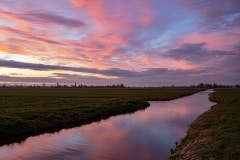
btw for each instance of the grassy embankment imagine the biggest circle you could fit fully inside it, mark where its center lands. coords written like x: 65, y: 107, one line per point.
x: 216, y: 133
x: 25, y: 112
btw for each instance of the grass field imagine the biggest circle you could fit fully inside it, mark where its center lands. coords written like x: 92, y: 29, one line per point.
x: 216, y: 133
x: 25, y: 112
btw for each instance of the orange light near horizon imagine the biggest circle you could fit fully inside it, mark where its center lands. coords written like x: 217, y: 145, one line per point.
x: 17, y: 72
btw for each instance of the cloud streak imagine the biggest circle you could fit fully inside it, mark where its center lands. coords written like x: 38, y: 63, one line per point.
x: 39, y: 16
x: 108, y: 72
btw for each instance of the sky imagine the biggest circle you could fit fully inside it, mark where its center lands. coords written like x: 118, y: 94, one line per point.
x: 134, y: 42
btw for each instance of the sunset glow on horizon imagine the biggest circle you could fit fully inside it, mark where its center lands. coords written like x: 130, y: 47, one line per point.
x: 134, y: 42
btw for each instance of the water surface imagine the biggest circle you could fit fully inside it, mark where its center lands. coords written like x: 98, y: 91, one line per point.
x: 147, y: 134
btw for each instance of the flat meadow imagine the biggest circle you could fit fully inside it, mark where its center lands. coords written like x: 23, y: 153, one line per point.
x: 31, y: 111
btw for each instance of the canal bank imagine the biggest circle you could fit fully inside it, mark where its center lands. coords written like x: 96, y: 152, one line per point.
x: 216, y: 133
x: 145, y: 134
x: 27, y: 112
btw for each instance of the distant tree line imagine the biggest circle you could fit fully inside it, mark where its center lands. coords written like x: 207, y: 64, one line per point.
x: 58, y: 85
x: 206, y: 85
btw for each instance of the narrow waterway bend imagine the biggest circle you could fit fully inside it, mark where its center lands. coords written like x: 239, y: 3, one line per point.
x: 145, y: 134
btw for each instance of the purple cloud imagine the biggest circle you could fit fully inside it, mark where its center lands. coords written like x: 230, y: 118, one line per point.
x: 46, y: 17
x: 108, y: 72
x: 197, y: 53
x: 216, y: 15
x: 40, y: 17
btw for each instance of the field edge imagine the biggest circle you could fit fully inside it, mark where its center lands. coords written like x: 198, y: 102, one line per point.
x: 215, y: 133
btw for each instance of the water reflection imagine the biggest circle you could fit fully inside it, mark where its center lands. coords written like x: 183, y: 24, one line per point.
x: 143, y: 135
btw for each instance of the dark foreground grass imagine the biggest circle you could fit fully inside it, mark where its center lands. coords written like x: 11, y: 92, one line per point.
x: 216, y: 133
x: 25, y: 112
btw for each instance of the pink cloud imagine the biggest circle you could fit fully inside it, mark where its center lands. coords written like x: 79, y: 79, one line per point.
x: 113, y: 23
x: 214, y: 41
x: 116, y: 14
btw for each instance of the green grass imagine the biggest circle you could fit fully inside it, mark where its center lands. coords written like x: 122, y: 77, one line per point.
x: 25, y: 112
x: 216, y: 133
